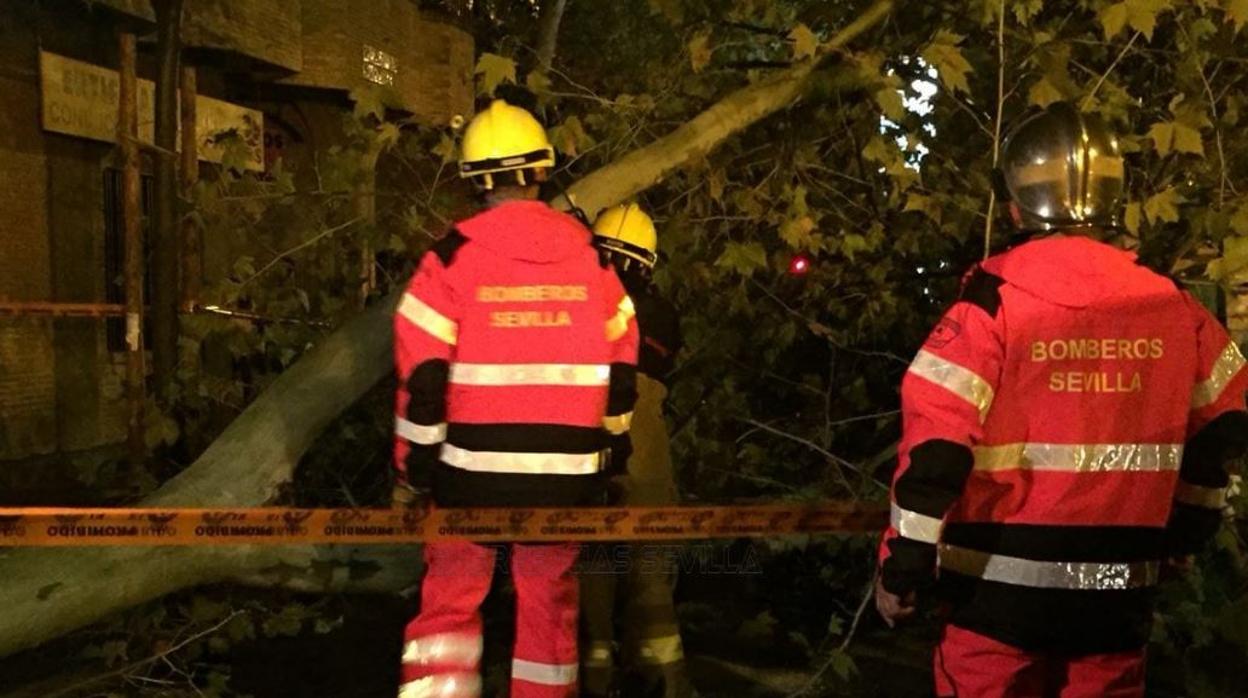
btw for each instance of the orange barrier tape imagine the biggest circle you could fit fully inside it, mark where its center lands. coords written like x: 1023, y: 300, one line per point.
x: 55, y: 527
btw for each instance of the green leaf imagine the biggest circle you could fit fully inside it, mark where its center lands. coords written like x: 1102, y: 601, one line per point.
x: 368, y: 101
x: 1113, y: 19
x: 538, y: 83
x: 944, y: 55
x: 493, y: 70
x: 1131, y: 217
x: 1233, y: 262
x: 891, y: 103
x: 1162, y: 134
x: 1236, y: 12
x: 1043, y: 93
x: 926, y: 205
x: 1239, y: 221
x: 570, y: 137
x: 805, y: 43
x: 743, y: 258
x: 842, y: 664
x: 1188, y: 140
x: 1142, y: 15
x: 1024, y: 10
x: 700, y: 51
x: 1163, y: 206
x: 796, y: 232
x: 446, y: 149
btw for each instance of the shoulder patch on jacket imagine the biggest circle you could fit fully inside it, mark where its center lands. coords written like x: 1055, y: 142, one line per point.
x: 446, y: 248
x: 984, y: 290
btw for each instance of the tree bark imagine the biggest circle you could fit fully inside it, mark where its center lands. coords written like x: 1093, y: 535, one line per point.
x: 191, y: 264
x: 552, y: 16
x: 50, y: 592
x: 165, y: 231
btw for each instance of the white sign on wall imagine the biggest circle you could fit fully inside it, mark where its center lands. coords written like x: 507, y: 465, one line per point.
x: 81, y: 99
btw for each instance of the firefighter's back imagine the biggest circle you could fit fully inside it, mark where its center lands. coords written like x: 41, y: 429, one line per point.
x: 1057, y: 538
x: 529, y: 382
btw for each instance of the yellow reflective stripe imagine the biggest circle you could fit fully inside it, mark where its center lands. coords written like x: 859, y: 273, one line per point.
x: 958, y: 380
x: 423, y: 434
x: 443, y: 686
x: 1080, y: 458
x: 617, y: 424
x: 617, y: 326
x: 1197, y: 496
x: 916, y: 526
x: 599, y: 655
x: 1101, y: 576
x: 524, y: 463
x: 426, y: 318
x: 1230, y: 362
x: 445, y: 648
x: 530, y: 374
x: 545, y: 674
x: 660, y: 650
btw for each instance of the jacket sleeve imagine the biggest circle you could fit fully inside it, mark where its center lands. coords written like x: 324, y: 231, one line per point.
x: 426, y: 330
x: 624, y: 338
x: 1217, y: 434
x: 945, y: 397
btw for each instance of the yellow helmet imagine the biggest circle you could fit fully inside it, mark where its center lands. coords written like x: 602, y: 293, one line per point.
x: 627, y: 230
x: 504, y: 138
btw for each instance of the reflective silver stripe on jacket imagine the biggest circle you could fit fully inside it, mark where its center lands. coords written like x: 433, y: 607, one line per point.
x: 523, y: 463
x: 1048, y: 575
x: 1197, y: 496
x: 446, y: 648
x: 916, y: 526
x: 958, y: 380
x: 426, y: 318
x: 423, y: 434
x: 530, y: 374
x: 617, y: 424
x: 1080, y: 458
x: 545, y: 674
x: 1230, y: 362
x: 443, y: 686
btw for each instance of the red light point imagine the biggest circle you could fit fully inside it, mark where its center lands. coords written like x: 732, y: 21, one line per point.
x: 799, y: 265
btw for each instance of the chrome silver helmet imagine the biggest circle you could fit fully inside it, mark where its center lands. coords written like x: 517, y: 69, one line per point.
x: 1064, y: 170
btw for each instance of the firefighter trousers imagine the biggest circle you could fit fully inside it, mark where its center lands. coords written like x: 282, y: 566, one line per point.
x: 442, y: 651
x: 970, y: 665
x: 638, y: 599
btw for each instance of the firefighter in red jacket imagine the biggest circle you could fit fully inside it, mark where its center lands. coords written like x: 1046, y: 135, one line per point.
x: 516, y: 351
x: 1066, y: 428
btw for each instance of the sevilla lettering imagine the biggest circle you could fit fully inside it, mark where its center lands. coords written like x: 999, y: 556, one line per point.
x: 1096, y: 382
x: 513, y: 319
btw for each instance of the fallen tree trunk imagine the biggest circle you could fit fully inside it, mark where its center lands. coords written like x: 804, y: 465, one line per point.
x: 46, y: 593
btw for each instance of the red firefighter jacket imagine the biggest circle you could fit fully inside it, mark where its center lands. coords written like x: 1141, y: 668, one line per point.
x: 516, y: 351
x: 1065, y: 428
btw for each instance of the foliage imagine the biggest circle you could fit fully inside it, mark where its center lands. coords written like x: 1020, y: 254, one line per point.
x: 788, y: 385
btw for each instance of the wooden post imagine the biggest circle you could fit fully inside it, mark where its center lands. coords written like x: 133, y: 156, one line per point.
x: 192, y: 264
x: 128, y: 142
x: 366, y: 212
x: 164, y: 228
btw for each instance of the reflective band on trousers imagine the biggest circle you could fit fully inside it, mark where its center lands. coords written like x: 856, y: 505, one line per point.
x: 960, y: 381
x: 661, y: 650
x: 428, y: 319
x: 530, y: 374
x: 1080, y: 458
x: 443, y: 686
x: 1086, y: 576
x: 423, y: 434
x: 599, y: 655
x: 1230, y: 362
x: 915, y: 526
x: 523, y: 463
x: 1197, y: 496
x: 447, y: 648
x: 617, y: 424
x: 617, y: 326
x: 545, y: 674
